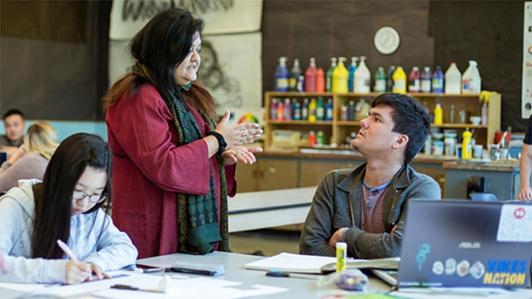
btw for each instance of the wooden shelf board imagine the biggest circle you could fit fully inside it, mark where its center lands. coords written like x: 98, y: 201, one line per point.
x: 299, y: 122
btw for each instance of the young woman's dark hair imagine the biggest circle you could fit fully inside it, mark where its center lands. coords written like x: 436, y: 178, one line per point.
x: 160, y: 47
x: 410, y: 118
x: 53, y: 197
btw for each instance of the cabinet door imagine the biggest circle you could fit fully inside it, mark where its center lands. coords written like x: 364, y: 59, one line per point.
x: 313, y: 171
x: 277, y: 174
x: 247, y: 177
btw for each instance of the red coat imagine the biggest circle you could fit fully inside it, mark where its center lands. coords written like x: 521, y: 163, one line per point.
x: 149, y: 170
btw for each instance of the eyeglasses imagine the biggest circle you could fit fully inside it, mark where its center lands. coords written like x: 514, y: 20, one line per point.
x: 94, y: 198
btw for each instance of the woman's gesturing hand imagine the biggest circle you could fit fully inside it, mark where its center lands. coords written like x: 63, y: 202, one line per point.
x: 241, y: 154
x: 235, y: 135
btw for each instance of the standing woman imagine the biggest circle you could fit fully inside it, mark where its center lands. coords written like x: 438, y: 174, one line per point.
x: 173, y: 166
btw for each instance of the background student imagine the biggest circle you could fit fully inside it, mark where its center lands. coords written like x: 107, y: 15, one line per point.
x: 66, y: 207
x: 30, y: 160
x: 14, y: 131
x: 173, y: 164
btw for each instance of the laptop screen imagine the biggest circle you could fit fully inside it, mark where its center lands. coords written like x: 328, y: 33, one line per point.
x: 466, y: 243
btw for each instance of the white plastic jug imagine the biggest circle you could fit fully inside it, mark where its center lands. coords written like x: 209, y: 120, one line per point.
x: 471, y: 79
x: 362, y: 77
x: 453, y: 80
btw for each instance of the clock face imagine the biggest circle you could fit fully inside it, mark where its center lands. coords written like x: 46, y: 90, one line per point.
x: 386, y: 40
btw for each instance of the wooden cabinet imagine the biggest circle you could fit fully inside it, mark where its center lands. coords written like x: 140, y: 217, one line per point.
x: 267, y: 174
x: 335, y: 131
x: 313, y: 170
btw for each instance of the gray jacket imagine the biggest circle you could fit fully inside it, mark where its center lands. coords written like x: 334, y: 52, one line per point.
x: 337, y: 203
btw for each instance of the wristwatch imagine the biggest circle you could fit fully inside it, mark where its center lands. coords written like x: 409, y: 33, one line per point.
x: 221, y: 141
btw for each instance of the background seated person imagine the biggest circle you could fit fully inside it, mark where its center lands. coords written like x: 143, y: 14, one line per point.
x: 30, y: 160
x: 14, y: 131
x: 366, y: 207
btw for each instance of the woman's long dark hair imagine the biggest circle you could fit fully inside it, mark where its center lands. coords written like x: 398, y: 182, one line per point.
x: 161, y: 45
x: 53, y: 197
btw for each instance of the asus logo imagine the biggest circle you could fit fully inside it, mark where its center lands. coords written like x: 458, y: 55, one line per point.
x: 469, y: 245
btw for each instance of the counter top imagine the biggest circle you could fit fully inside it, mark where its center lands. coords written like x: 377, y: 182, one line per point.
x: 341, y: 154
x: 500, y: 165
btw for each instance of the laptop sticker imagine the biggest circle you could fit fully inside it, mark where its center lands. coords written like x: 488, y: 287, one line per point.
x: 515, y: 223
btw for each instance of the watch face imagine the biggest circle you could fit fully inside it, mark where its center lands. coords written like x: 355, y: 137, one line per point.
x: 386, y: 40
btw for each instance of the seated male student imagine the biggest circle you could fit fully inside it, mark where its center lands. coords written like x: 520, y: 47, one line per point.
x: 14, y: 131
x: 366, y: 207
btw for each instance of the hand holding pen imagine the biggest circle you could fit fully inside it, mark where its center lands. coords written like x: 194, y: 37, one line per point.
x: 76, y: 271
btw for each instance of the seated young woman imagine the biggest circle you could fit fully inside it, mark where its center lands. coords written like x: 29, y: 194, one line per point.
x: 29, y: 161
x: 66, y: 206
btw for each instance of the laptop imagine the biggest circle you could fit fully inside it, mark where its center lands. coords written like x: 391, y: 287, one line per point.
x: 461, y: 243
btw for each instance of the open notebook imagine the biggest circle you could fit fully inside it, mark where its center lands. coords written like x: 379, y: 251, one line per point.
x: 298, y: 263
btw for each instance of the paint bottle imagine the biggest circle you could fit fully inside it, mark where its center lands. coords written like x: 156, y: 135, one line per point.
x: 437, y: 80
x: 426, y: 80
x: 340, y: 77
x: 466, y: 145
x: 320, y: 109
x: 310, y: 76
x: 414, y: 82
x: 389, y: 81
x: 311, y: 138
x: 380, y: 80
x: 329, y: 110
x: 312, y: 110
x: 320, y: 80
x: 281, y: 75
x: 438, y: 114
x: 295, y: 72
x: 329, y: 75
x: 471, y: 79
x: 287, y: 109
x: 351, y: 77
x: 399, y: 80
x: 304, y: 109
x: 453, y: 80
x: 362, y: 77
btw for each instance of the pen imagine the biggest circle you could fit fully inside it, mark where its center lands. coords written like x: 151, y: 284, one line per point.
x: 132, y: 288
x: 288, y: 275
x: 66, y: 250
x: 192, y: 271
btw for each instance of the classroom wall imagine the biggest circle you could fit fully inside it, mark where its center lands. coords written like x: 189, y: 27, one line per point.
x: 432, y: 33
x: 53, y: 54
x: 67, y: 128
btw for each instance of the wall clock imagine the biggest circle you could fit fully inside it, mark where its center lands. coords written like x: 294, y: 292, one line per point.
x: 386, y: 40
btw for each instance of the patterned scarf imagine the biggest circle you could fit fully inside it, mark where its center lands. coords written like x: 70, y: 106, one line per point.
x: 197, y: 215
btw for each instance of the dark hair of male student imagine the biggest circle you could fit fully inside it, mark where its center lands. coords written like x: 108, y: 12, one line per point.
x: 161, y: 46
x: 10, y: 112
x: 53, y: 197
x: 410, y: 118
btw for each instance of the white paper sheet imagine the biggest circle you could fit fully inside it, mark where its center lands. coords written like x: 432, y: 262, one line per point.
x: 289, y: 262
x: 192, y: 287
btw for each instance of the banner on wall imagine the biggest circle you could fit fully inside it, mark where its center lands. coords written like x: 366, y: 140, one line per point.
x: 526, y: 98
x: 234, y: 83
x: 220, y: 16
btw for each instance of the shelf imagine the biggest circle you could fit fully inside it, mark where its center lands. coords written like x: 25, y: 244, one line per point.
x: 299, y: 122
x: 458, y: 126
x: 348, y: 123
x: 371, y: 94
